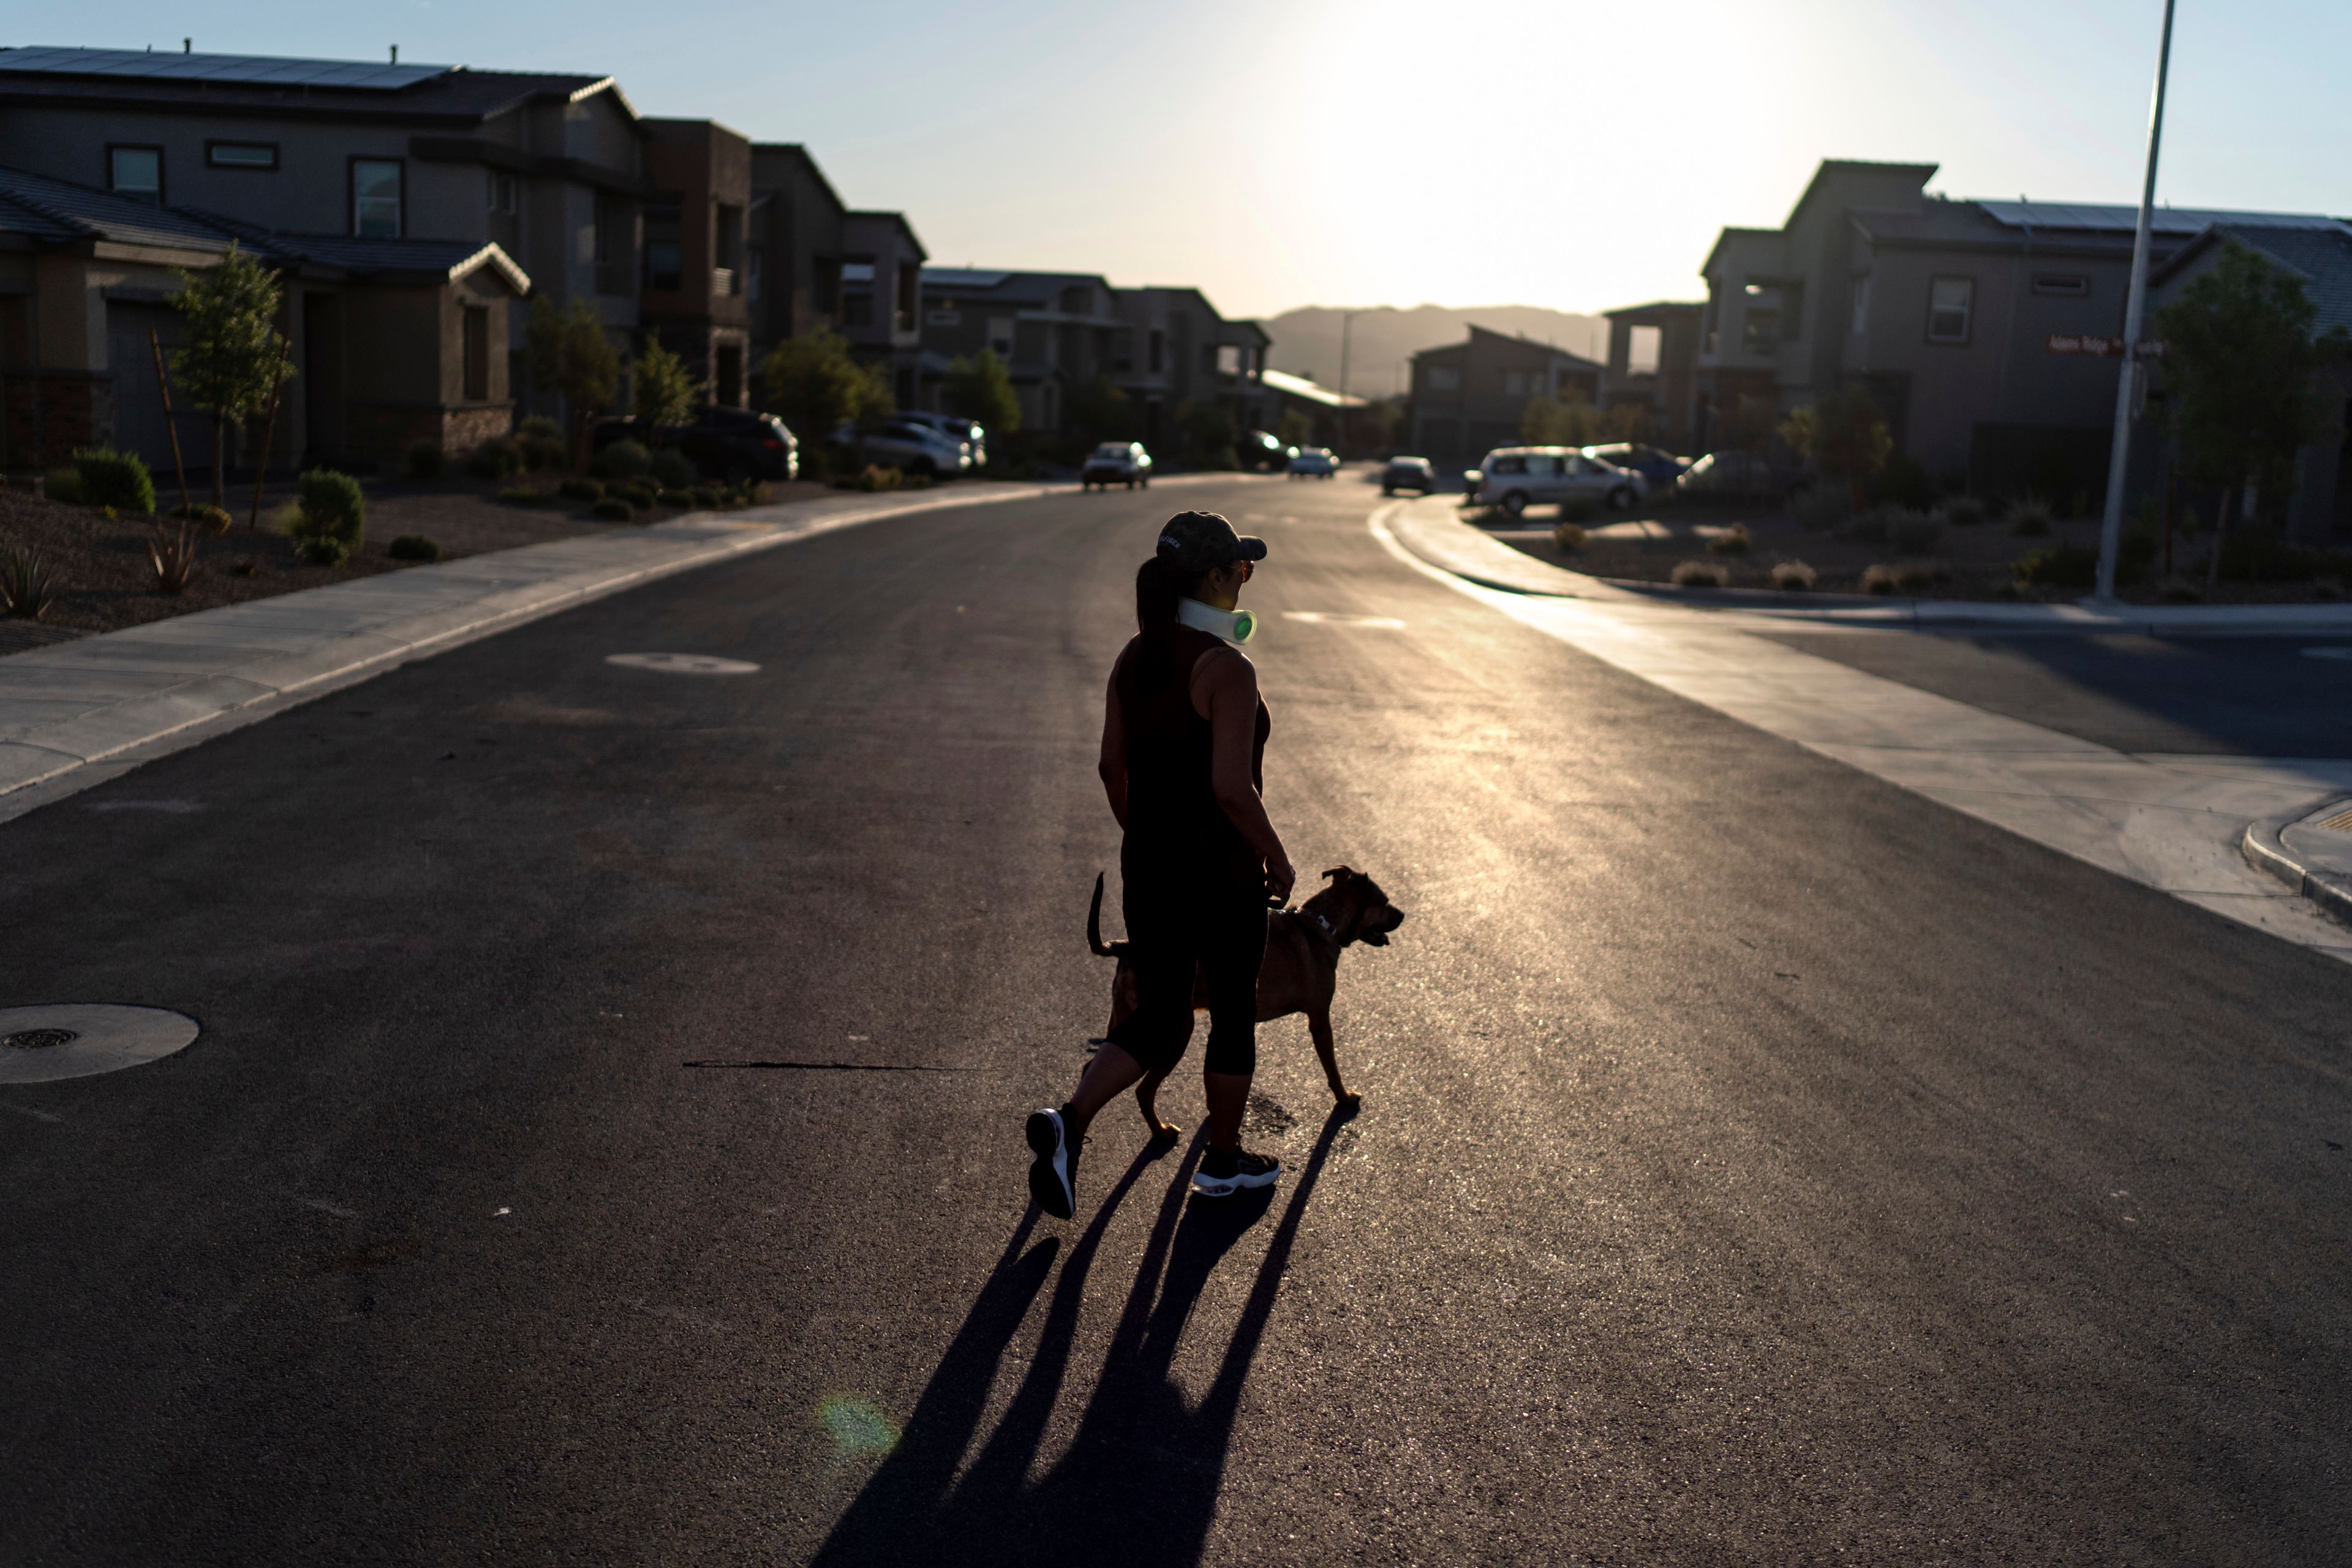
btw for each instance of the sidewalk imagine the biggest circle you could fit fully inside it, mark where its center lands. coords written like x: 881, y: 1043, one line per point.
x: 2175, y: 822
x: 77, y: 713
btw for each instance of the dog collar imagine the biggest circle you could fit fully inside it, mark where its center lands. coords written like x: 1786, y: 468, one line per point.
x: 1322, y: 924
x: 1235, y: 626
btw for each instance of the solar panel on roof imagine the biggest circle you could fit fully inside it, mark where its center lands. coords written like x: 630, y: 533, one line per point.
x: 261, y: 69
x: 2124, y: 219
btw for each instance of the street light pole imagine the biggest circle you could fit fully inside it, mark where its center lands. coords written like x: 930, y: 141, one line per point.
x: 2111, y: 525
x: 1347, y: 324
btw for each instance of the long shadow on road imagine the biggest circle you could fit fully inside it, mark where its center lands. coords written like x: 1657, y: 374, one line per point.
x: 1142, y: 1475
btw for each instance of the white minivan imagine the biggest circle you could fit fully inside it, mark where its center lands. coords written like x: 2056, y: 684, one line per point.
x: 1517, y: 478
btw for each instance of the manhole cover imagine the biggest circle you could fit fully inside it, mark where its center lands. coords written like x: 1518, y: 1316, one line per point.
x: 682, y: 663
x: 43, y: 1045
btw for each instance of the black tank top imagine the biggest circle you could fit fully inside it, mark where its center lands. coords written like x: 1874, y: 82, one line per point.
x: 1174, y: 826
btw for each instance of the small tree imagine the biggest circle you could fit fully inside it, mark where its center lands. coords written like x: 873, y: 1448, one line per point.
x: 570, y: 357
x: 2239, y: 362
x: 813, y: 384
x: 1294, y: 428
x: 1209, y: 435
x: 1547, y: 421
x: 1096, y: 411
x: 1844, y: 434
x: 235, y: 357
x: 980, y: 388
x: 666, y: 394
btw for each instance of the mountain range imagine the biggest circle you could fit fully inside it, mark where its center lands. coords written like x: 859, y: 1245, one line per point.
x: 1307, y: 340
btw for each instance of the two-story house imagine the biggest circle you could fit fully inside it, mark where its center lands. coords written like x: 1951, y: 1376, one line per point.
x: 548, y: 167
x: 794, y: 257
x: 1178, y: 351
x: 1056, y: 331
x: 1652, y: 364
x: 698, y: 267
x: 881, y: 299
x: 1467, y: 397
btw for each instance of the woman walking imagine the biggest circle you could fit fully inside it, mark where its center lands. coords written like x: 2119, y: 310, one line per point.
x: 1183, y: 750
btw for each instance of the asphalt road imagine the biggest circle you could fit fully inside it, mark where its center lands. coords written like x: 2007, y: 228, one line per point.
x: 1757, y: 1164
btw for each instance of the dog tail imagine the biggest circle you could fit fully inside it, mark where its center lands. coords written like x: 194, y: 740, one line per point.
x: 1094, y: 927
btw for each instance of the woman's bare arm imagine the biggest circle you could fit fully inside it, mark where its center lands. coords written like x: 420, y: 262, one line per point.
x: 1113, y: 765
x: 1224, y: 689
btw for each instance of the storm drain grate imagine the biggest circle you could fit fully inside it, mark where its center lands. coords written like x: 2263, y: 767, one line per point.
x: 41, y: 1039
x: 2339, y: 823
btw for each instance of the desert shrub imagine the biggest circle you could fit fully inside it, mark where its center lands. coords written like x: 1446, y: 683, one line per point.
x: 1576, y: 509
x: 672, y: 469
x: 540, y: 452
x: 522, y: 495
x: 1963, y: 511
x: 28, y: 582
x: 1913, y: 532
x: 1918, y: 576
x: 707, y: 496
x: 1700, y: 574
x: 759, y: 492
x: 119, y: 479
x: 677, y: 498
x: 639, y: 493
x: 613, y: 508
x: 1732, y: 540
x: 329, y: 518
x: 2179, y: 591
x: 2057, y: 566
x: 1878, y: 578
x: 424, y: 460
x: 2029, y: 516
x: 622, y: 459
x: 213, y: 519
x: 63, y: 484
x: 412, y: 547
x: 878, y: 477
x: 577, y: 487
x: 172, y: 553
x: 1820, y: 509
x: 1793, y: 576
x: 498, y: 458
x: 1567, y: 535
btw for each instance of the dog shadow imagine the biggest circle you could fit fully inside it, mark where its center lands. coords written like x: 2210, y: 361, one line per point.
x: 1141, y: 1480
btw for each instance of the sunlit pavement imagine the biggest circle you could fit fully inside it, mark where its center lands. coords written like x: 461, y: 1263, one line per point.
x: 1758, y: 1163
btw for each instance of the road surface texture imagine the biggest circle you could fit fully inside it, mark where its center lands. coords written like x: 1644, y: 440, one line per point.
x: 1757, y: 1164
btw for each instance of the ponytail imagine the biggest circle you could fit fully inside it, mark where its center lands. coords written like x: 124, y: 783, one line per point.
x: 1159, y: 584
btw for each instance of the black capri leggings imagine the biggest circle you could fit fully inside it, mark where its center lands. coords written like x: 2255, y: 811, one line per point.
x: 1172, y: 926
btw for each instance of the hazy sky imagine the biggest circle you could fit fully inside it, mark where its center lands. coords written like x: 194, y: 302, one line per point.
x: 1281, y: 152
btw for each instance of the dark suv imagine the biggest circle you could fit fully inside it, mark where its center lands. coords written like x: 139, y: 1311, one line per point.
x: 721, y: 443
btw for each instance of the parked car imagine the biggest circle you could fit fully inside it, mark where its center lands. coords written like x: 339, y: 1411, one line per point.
x: 1315, y: 462
x: 957, y: 427
x: 1517, y: 478
x: 912, y: 448
x: 1263, y: 453
x: 1735, y: 474
x: 1409, y: 473
x: 722, y: 443
x: 1116, y: 463
x: 1655, y: 464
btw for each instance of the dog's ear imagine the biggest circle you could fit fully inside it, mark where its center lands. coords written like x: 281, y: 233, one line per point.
x: 1338, y: 872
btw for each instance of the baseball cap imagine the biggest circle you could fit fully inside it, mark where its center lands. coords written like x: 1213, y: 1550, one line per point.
x: 1201, y: 541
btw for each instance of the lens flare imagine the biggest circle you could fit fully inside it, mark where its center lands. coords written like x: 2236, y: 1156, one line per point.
x: 857, y: 1427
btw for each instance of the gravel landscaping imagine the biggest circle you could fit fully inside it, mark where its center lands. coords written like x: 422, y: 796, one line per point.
x: 1910, y: 555
x: 107, y: 582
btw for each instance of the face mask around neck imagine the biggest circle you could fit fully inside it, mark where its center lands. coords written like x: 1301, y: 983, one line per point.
x: 1235, y: 626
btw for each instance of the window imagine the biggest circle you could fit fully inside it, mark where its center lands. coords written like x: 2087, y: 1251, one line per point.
x: 477, y: 355
x: 1760, y: 327
x: 999, y: 336
x: 1078, y: 300
x: 664, y: 256
x: 2066, y: 285
x: 136, y: 173
x: 375, y: 198
x: 501, y: 192
x: 755, y: 263
x: 726, y: 276
x: 1645, y: 346
x: 1951, y: 301
x: 262, y: 156
x: 1509, y: 466
x: 1444, y: 378
x: 1861, y: 304
x: 606, y: 221
x: 857, y: 271
x: 943, y: 317
x: 1158, y: 351
x: 857, y: 308
x: 1229, y: 358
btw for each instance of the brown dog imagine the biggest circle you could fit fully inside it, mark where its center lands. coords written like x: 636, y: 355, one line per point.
x: 1300, y: 975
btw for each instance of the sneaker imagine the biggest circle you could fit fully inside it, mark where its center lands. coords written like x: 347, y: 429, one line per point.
x: 1053, y: 1174
x: 1224, y: 1172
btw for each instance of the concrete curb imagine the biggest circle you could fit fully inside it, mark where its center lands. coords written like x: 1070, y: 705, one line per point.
x: 1427, y: 536
x: 2266, y: 849
x: 75, y: 714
